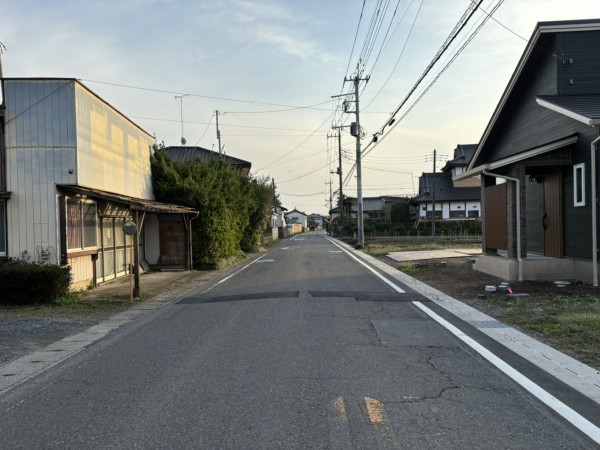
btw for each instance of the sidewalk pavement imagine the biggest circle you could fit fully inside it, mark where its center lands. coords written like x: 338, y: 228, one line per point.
x: 150, y: 282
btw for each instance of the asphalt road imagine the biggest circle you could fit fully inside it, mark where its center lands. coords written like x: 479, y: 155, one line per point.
x: 302, y: 348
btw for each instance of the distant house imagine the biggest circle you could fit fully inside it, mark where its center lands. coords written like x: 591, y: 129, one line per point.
x: 73, y: 170
x: 537, y: 160
x: 297, y: 217
x: 374, y: 208
x: 279, y: 211
x: 317, y: 219
x: 454, y: 200
x: 186, y: 154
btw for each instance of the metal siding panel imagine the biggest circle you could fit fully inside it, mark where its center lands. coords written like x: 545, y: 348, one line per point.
x: 35, y: 162
x: 577, y: 227
x: 534, y: 213
x: 583, y: 48
x: 28, y: 104
x: 113, y: 154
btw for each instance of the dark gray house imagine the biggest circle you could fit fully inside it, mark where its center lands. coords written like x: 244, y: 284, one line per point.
x: 454, y: 200
x: 537, y: 160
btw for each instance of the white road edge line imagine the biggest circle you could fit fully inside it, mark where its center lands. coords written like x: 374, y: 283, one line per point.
x: 576, y: 419
x: 569, y: 414
x: 377, y: 274
x: 239, y: 270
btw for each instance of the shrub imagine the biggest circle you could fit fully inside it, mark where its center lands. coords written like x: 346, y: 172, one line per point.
x: 26, y: 283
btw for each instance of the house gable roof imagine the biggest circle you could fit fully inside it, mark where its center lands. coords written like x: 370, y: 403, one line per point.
x: 295, y: 211
x: 463, y: 154
x: 441, y: 184
x: 542, y: 31
x: 185, y: 154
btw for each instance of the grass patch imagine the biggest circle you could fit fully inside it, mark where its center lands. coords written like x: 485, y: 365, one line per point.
x: 410, y: 268
x: 572, y: 324
x: 383, y: 249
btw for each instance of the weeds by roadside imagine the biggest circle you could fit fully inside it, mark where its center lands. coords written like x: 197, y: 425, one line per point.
x: 383, y: 249
x: 569, y: 323
x: 72, y: 306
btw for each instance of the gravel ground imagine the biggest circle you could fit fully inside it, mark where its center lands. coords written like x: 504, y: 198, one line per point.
x: 22, y: 335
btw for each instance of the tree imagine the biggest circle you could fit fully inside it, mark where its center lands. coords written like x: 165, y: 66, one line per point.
x: 400, y: 213
x: 234, y: 210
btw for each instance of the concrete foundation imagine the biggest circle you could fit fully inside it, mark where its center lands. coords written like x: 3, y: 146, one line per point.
x: 535, y: 268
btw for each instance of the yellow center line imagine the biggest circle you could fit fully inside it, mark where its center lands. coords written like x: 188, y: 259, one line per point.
x: 375, y: 410
x: 340, y: 407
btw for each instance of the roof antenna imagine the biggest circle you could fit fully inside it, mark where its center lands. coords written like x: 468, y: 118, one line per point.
x: 2, y: 50
x: 180, y: 98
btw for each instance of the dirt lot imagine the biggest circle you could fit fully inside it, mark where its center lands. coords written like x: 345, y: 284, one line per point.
x: 457, y: 278
x: 567, y: 318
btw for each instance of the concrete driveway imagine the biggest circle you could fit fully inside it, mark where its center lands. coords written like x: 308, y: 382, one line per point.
x: 433, y: 254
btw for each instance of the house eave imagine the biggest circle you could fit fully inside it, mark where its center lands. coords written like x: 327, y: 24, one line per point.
x: 568, y: 113
x: 471, y: 173
x: 516, y: 158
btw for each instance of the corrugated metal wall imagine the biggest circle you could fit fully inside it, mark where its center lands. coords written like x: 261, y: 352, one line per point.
x: 58, y: 132
x: 41, y: 149
x: 113, y: 154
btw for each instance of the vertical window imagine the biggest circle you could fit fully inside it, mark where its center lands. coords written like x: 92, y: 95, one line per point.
x: 2, y: 227
x: 81, y: 224
x: 579, y: 185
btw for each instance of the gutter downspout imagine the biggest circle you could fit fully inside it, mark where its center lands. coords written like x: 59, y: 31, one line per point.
x: 594, y: 216
x: 518, y: 186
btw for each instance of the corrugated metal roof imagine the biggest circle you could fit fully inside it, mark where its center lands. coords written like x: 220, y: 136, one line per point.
x: 185, y: 154
x: 444, y: 189
x: 585, y: 108
x: 133, y: 203
x: 373, y: 204
x: 78, y: 82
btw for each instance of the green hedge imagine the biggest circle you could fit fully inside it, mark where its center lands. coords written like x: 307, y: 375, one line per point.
x: 28, y: 283
x: 234, y: 209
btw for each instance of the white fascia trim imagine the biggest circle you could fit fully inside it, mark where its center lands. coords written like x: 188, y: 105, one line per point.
x: 471, y: 173
x: 533, y: 152
x: 516, y: 158
x: 567, y: 112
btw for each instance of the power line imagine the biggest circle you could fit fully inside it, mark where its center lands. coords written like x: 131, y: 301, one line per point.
x: 453, y: 34
x: 304, y: 175
x: 401, y: 52
x: 206, y: 129
x: 228, y: 99
x: 299, y: 145
x: 355, y: 36
x: 394, y: 123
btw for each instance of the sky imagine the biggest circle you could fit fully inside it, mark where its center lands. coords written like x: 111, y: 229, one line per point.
x: 275, y: 71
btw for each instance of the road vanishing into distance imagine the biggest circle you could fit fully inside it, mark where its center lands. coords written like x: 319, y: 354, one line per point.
x: 305, y: 347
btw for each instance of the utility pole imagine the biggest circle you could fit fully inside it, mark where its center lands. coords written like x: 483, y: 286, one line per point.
x: 433, y: 196
x: 330, y: 206
x: 355, y: 131
x: 218, y: 132
x: 339, y: 172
